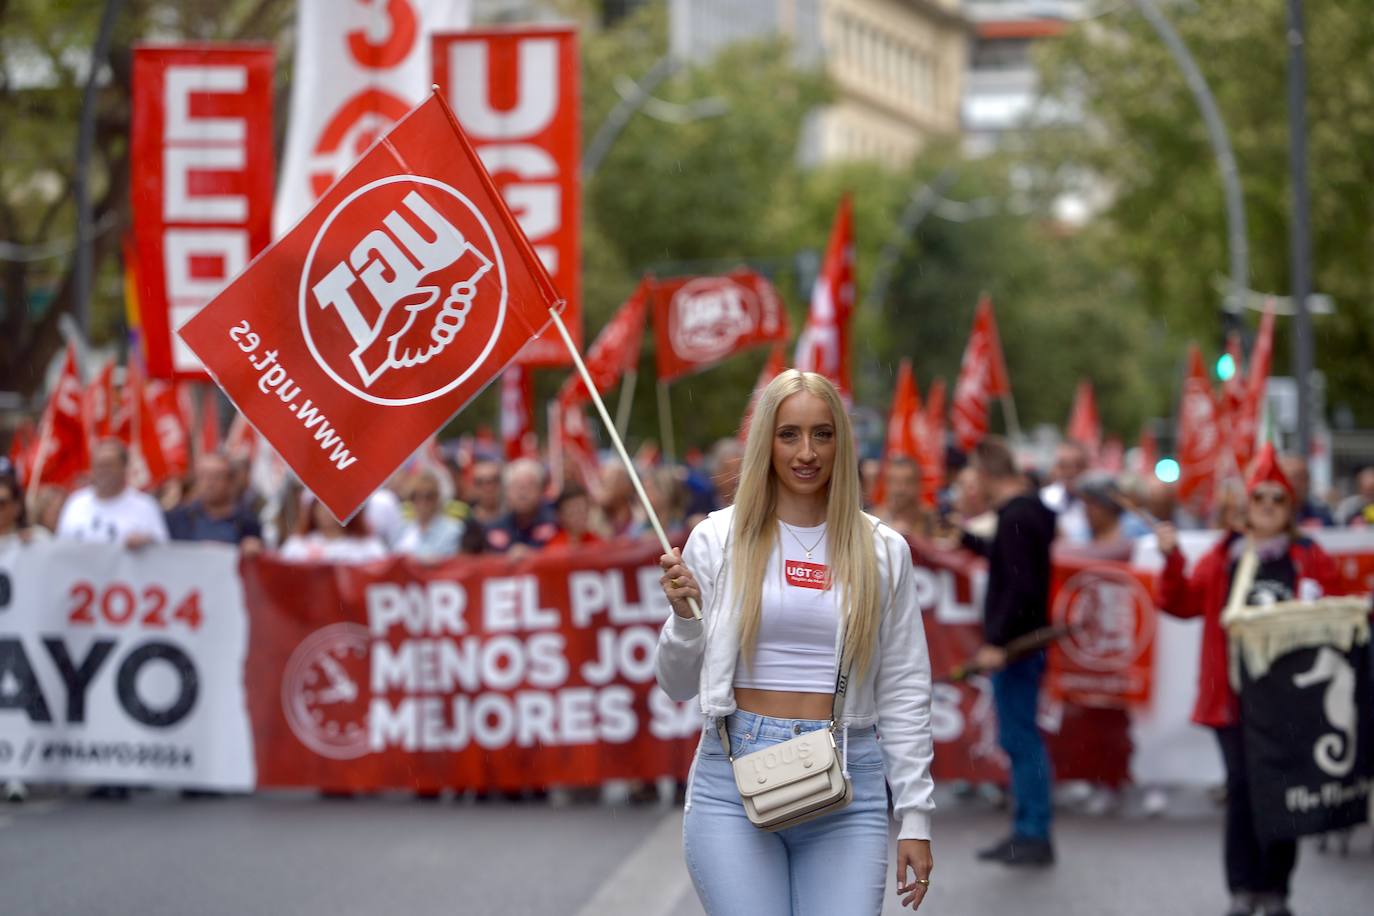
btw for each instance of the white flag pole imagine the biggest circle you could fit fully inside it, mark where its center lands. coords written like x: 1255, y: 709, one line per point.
x: 615, y: 440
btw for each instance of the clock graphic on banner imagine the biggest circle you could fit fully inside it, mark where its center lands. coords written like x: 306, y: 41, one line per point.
x: 323, y: 691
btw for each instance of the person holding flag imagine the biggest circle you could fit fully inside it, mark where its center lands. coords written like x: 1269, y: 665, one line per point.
x: 1258, y: 874
x: 809, y: 621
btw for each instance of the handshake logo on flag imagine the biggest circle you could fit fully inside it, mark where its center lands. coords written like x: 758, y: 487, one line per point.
x: 403, y: 287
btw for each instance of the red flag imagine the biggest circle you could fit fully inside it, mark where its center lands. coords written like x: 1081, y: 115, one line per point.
x: 23, y: 445
x: 700, y: 321
x: 149, y: 466
x: 169, y: 422
x: 1084, y: 424
x: 410, y: 287
x: 776, y: 365
x: 1199, y: 437
x: 930, y: 444
x: 517, y: 413
x: 207, y: 435
x: 902, y: 420
x: 98, y: 402
x: 616, y: 349
x: 63, y: 451
x: 824, y: 342
x: 982, y: 376
x: 1246, y: 422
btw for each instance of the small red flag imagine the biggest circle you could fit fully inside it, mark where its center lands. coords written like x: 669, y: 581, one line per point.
x: 616, y: 349
x: 63, y: 452
x: 824, y: 342
x: 1084, y: 424
x: 517, y: 413
x: 1199, y: 435
x: 982, y: 377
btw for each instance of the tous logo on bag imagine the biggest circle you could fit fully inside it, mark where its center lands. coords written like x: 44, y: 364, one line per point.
x: 788, y: 752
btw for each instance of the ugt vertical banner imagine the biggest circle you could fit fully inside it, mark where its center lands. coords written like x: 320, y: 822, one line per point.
x: 201, y: 176
x: 516, y: 94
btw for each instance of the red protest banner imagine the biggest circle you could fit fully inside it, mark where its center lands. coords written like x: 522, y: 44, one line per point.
x: 473, y: 673
x: 201, y: 161
x: 515, y: 93
x: 1107, y: 656
x: 700, y: 321
x: 405, y: 291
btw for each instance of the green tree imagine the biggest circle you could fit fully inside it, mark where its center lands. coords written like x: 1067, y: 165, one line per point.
x: 1142, y: 140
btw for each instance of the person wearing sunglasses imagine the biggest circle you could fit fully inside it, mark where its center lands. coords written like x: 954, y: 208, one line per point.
x: 431, y: 535
x: 1290, y: 567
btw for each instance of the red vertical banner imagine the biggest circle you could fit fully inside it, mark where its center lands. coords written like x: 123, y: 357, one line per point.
x: 515, y: 93
x: 201, y: 180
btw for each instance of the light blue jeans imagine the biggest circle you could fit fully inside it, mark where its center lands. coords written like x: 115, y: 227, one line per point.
x: 832, y: 866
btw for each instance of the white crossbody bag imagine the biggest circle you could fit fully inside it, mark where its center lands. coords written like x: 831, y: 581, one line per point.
x: 795, y: 781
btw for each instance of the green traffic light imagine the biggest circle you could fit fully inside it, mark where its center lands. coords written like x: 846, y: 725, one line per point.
x: 1226, y: 367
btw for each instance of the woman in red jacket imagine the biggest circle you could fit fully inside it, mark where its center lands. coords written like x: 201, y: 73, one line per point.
x: 1290, y: 567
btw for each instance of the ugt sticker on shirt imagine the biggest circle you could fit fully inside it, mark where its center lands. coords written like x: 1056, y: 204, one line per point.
x: 390, y: 305
x: 805, y: 575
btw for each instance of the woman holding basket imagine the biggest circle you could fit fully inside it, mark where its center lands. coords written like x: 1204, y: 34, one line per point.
x: 811, y: 666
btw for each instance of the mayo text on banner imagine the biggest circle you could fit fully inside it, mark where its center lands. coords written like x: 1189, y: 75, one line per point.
x: 395, y: 300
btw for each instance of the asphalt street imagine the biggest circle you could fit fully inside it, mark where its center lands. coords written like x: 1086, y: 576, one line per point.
x: 294, y: 853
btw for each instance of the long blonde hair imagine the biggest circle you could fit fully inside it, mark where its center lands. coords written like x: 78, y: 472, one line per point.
x: 849, y: 535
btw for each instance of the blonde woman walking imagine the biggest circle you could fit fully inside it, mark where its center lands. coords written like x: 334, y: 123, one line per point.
x: 809, y: 625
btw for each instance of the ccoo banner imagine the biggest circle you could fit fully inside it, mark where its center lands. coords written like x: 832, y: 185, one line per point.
x: 201, y: 175
x: 123, y: 667
x: 515, y: 93
x: 360, y: 66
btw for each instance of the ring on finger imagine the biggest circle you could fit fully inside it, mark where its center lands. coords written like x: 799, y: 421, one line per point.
x: 924, y: 882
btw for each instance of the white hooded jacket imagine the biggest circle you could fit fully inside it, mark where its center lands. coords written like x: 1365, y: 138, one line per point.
x: 698, y: 657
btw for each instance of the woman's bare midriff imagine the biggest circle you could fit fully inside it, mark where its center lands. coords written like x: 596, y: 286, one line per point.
x: 784, y: 704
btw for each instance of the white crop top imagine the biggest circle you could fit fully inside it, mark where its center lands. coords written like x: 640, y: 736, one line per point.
x: 800, y: 619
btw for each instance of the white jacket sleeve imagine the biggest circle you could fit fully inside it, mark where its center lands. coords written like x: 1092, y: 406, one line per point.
x: 682, y: 641
x: 902, y: 693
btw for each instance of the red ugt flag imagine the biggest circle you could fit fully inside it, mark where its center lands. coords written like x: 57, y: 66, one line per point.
x: 517, y: 413
x: 63, y: 449
x: 391, y: 304
x: 1245, y: 425
x: 824, y: 342
x: 1199, y: 435
x: 701, y: 321
x: 982, y: 376
x: 930, y: 444
x: 902, y: 425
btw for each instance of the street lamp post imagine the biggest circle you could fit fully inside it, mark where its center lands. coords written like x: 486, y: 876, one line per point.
x: 1300, y: 243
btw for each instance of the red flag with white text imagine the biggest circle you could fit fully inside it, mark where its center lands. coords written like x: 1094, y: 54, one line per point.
x: 98, y: 402
x: 201, y: 161
x: 930, y: 444
x: 63, y: 452
x: 390, y: 305
x: 169, y: 420
x: 982, y: 377
x: 1199, y: 435
x: 824, y: 342
x: 701, y: 321
x: 1245, y: 426
x: 517, y: 413
x: 515, y: 93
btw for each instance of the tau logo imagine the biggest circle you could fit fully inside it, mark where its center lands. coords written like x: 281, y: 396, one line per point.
x: 1109, y: 619
x: 401, y: 270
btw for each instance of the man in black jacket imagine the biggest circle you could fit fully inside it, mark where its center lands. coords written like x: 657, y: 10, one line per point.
x: 1016, y: 603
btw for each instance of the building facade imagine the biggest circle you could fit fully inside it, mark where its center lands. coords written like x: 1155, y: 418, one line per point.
x: 897, y: 66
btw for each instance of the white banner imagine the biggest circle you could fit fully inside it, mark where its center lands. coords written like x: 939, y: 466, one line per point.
x: 360, y: 65
x: 124, y: 667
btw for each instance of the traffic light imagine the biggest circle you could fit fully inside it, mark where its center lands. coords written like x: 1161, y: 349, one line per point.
x: 1226, y: 367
